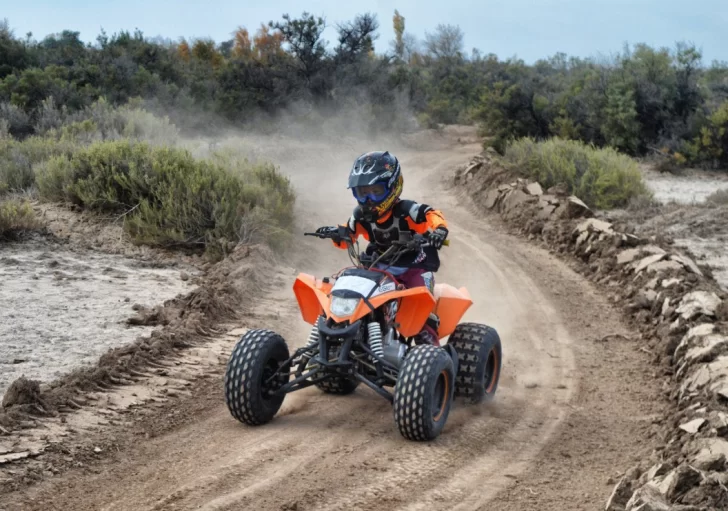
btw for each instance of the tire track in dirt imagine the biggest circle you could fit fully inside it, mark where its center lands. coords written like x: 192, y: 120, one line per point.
x: 332, y: 452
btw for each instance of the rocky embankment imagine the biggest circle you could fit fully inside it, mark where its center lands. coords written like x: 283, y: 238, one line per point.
x: 682, y: 316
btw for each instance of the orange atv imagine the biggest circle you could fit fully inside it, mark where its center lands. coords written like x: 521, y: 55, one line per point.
x: 364, y: 327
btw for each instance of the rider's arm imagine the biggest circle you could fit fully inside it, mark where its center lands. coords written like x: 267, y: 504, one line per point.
x: 422, y: 218
x: 355, y: 230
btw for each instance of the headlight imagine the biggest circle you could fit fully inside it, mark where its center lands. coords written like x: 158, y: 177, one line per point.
x: 343, y: 307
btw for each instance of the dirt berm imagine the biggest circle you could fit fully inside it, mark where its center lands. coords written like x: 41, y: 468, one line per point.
x: 220, y: 296
x: 681, y: 314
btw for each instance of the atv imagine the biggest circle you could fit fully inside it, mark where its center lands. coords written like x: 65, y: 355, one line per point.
x: 364, y: 331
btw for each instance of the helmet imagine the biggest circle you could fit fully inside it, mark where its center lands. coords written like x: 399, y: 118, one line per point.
x: 376, y: 182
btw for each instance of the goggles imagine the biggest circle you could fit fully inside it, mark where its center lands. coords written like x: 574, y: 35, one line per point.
x: 376, y: 193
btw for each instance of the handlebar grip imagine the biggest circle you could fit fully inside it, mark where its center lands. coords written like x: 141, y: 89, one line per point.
x: 446, y: 243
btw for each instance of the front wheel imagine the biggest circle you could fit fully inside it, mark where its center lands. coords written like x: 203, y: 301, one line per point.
x: 479, y: 361
x: 424, y: 392
x: 249, y: 381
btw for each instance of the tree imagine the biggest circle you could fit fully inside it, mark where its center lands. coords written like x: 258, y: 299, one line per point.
x: 398, y: 22
x: 268, y: 45
x: 356, y: 38
x: 303, y: 36
x: 445, y: 43
x: 243, y: 48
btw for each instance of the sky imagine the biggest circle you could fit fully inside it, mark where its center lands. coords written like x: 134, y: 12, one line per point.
x: 527, y: 29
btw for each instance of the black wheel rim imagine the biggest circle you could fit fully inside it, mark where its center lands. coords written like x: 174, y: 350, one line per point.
x: 270, y: 384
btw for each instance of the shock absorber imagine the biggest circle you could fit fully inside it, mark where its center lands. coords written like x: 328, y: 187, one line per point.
x: 313, y: 337
x: 375, y: 339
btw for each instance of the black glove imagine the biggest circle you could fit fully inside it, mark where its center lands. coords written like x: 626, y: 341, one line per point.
x: 438, y: 236
x: 330, y: 232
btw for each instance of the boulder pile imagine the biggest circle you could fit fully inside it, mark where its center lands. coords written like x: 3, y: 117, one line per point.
x: 682, y: 315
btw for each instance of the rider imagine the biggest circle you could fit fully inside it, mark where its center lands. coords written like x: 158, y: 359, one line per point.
x: 376, y: 181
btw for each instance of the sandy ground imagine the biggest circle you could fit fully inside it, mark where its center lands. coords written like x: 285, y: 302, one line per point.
x: 690, y: 187
x: 61, y: 308
x: 700, y: 227
x: 575, y: 406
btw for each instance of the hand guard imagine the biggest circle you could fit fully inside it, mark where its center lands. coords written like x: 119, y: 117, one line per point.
x: 438, y: 236
x: 330, y: 232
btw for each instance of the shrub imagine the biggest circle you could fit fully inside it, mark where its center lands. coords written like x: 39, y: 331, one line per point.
x: 18, y: 159
x: 711, y: 146
x: 602, y: 178
x: 16, y: 216
x: 168, y: 198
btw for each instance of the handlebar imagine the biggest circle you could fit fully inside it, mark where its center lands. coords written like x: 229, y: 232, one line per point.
x: 414, y: 242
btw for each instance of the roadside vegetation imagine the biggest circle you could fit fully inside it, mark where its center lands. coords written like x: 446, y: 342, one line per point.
x: 98, y: 125
x: 129, y: 165
x: 601, y: 177
x: 16, y: 217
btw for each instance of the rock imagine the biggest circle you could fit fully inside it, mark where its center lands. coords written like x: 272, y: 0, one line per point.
x: 713, y: 373
x: 630, y: 240
x: 653, y: 249
x: 663, y: 266
x: 698, y: 302
x: 712, y: 446
x: 14, y: 456
x: 679, y: 481
x: 620, y: 495
x: 184, y: 276
x: 665, y: 307
x: 559, y: 190
x: 582, y: 238
x: 687, y: 263
x: 693, y: 426
x: 708, y: 461
x: 719, y: 422
x: 594, y: 225
x: 686, y: 342
x: 657, y: 470
x: 515, y: 199
x: 491, y: 198
x: 645, y: 262
x: 627, y: 256
x: 705, y: 349
x: 668, y: 283
x: 647, y: 498
x: 534, y: 189
x: 97, y: 450
x: 472, y: 168
x: 575, y: 208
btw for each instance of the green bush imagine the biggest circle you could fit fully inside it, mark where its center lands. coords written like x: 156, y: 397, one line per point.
x: 711, y: 146
x: 602, y: 178
x: 18, y: 159
x: 168, y: 198
x: 16, y: 216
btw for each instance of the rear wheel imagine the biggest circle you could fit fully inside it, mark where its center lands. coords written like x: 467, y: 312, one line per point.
x: 479, y: 361
x: 424, y: 392
x: 249, y: 381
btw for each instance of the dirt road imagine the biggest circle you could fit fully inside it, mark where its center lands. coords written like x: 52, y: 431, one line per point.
x: 574, y: 408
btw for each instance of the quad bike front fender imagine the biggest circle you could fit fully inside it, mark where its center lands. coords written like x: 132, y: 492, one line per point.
x: 312, y: 296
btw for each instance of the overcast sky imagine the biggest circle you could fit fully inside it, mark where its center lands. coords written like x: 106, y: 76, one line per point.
x: 529, y: 29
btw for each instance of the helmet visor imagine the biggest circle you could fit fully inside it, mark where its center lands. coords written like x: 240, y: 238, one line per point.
x: 376, y: 192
